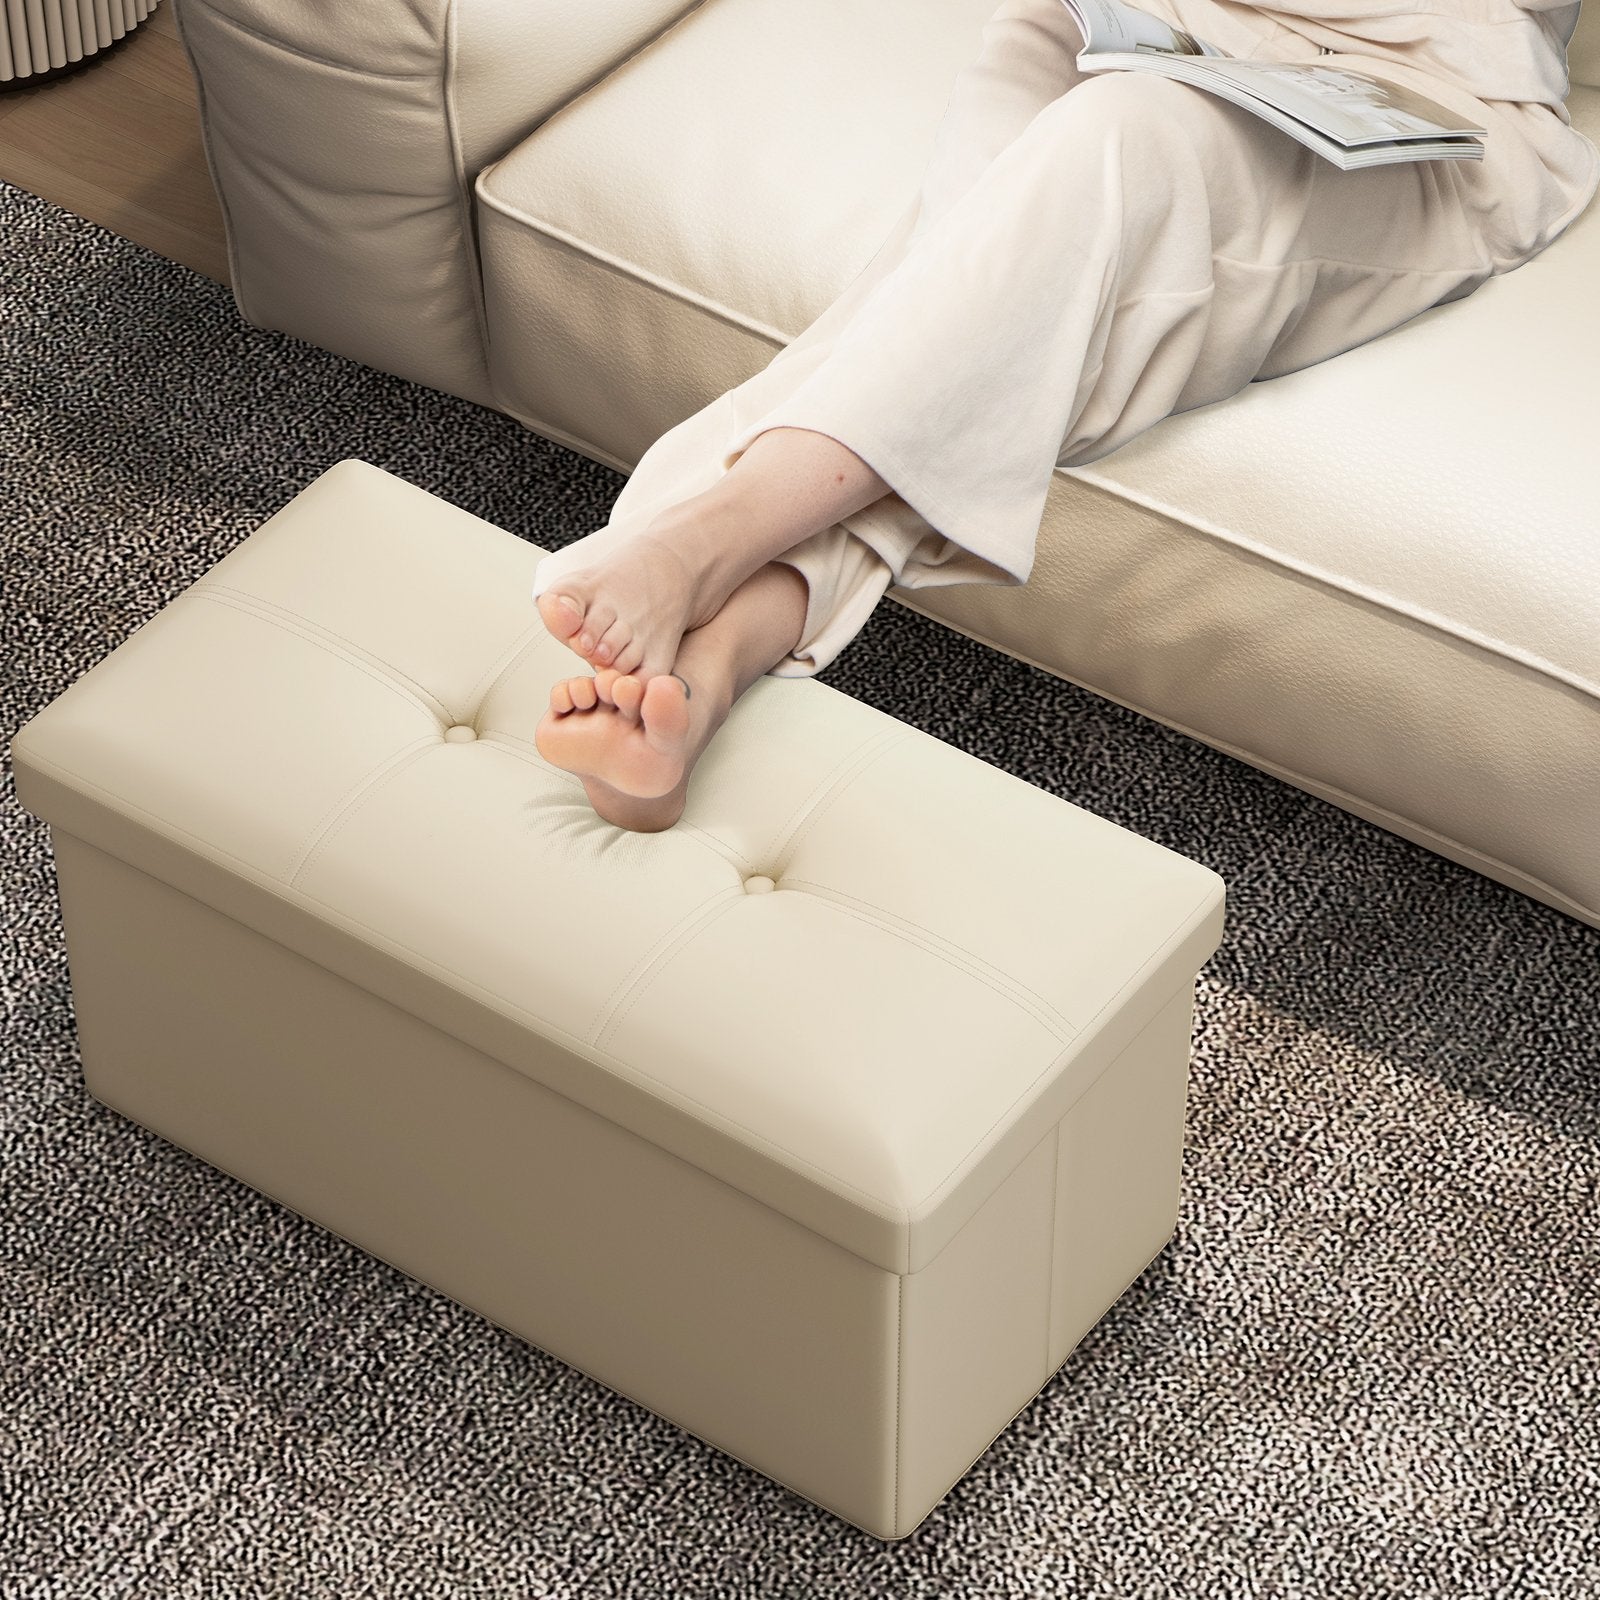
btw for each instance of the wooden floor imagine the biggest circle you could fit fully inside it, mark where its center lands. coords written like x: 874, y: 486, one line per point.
x: 118, y: 141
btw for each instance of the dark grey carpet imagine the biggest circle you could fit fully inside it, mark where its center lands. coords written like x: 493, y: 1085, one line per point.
x: 1365, y: 1366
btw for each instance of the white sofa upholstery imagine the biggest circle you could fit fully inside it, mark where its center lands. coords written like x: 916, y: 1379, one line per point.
x: 1378, y: 578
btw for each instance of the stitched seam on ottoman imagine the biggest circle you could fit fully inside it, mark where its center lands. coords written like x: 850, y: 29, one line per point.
x: 313, y: 633
x: 827, y: 789
x: 651, y: 964
x: 1050, y: 1263
x: 1114, y: 1003
x: 508, y: 659
x: 899, y: 1386
x: 608, y: 1017
x: 504, y: 1007
x: 350, y: 802
x: 1057, y: 1021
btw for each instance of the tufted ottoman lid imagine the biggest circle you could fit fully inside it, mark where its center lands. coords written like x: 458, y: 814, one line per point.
x: 859, y: 980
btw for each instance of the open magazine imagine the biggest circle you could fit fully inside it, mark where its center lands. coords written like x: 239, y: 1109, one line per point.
x: 1350, y: 118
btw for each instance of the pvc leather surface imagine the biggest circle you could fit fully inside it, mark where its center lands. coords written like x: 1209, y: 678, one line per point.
x: 860, y: 979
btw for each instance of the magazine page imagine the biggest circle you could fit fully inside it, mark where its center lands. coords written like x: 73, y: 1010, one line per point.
x: 1108, y: 25
x: 1350, y: 107
x: 1351, y: 118
x: 1370, y: 152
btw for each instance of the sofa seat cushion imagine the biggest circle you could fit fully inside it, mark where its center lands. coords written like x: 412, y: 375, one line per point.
x: 1437, y: 480
x: 1445, y: 470
x: 1377, y: 577
x: 640, y: 257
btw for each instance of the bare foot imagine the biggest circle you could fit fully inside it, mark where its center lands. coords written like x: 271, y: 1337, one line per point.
x: 630, y: 741
x: 630, y: 609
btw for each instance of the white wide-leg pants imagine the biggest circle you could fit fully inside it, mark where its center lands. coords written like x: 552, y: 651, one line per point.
x: 1088, y: 254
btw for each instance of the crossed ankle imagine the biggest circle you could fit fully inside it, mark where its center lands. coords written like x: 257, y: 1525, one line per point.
x: 713, y: 544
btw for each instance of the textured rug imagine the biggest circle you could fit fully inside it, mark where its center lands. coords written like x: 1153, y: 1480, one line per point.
x: 1364, y: 1367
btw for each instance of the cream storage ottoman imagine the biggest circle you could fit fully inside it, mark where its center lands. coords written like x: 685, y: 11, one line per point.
x: 823, y: 1124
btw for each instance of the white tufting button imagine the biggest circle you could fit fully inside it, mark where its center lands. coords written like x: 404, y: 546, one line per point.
x: 759, y: 885
x: 461, y: 733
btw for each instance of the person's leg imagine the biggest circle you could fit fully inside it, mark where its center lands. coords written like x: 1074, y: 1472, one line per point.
x: 1028, y: 57
x: 635, y: 742
x: 617, y: 600
x: 630, y: 610
x: 1140, y: 249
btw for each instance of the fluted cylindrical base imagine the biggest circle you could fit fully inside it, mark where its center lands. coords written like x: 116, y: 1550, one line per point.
x: 42, y: 36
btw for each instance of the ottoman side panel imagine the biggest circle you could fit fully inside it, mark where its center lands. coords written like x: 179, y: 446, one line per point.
x: 975, y: 1330
x: 998, y: 1311
x: 707, y: 1307
x: 1120, y: 1168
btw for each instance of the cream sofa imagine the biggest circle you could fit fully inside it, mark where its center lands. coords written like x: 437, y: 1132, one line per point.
x: 1377, y: 578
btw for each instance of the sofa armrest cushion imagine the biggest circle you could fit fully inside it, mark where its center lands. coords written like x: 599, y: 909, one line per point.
x: 343, y: 142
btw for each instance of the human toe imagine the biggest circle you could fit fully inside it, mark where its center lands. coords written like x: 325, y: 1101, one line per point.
x: 610, y: 644
x: 629, y: 657
x: 562, y: 613
x: 655, y: 661
x: 572, y: 694
x: 665, y: 709
x: 596, y: 620
x: 628, y: 691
